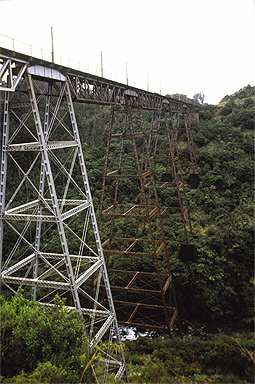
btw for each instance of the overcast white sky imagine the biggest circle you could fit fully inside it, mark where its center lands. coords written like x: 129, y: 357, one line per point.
x: 186, y: 46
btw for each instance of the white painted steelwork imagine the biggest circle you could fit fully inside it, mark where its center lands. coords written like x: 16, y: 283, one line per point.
x: 49, y: 239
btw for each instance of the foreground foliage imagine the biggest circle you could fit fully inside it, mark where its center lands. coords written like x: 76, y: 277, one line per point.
x: 48, y: 345
x: 48, y: 342
x: 219, y: 359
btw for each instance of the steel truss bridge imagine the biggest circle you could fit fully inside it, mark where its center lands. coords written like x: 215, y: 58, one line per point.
x: 49, y: 236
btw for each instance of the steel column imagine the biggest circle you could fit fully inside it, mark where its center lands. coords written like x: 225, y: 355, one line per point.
x: 3, y: 170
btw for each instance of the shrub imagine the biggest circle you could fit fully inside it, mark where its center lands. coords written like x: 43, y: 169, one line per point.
x: 31, y: 334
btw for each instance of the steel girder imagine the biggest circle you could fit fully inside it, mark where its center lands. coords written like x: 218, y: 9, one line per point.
x: 88, y: 88
x: 49, y: 238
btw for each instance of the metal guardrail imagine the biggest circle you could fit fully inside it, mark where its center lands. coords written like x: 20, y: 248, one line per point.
x: 20, y: 46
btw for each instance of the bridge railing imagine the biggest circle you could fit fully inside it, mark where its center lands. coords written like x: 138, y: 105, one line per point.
x: 25, y: 48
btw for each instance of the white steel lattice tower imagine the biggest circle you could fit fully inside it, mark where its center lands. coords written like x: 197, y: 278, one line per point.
x: 49, y: 239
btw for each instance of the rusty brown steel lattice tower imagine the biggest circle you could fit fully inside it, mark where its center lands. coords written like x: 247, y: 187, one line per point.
x: 141, y: 160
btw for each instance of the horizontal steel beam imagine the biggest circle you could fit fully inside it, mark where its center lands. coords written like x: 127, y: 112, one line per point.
x: 36, y: 146
x: 15, y: 213
x: 136, y: 290
x: 85, y: 311
x: 144, y: 326
x: 76, y: 210
x: 23, y: 207
x: 123, y: 271
x: 142, y: 305
x: 60, y: 256
x: 31, y: 282
x: 27, y: 217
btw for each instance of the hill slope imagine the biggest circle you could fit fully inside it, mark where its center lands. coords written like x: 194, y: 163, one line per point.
x: 220, y: 285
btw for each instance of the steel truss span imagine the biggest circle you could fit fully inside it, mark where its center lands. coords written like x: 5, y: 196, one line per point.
x: 88, y: 88
x: 49, y: 238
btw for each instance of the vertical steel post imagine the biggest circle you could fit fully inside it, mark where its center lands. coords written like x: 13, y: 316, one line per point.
x: 190, y: 141
x: 52, y: 46
x: 41, y: 192
x: 3, y: 170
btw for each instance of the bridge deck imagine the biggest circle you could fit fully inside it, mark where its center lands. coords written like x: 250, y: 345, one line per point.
x: 88, y: 88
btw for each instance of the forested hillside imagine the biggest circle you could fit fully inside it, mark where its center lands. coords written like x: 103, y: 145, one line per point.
x: 215, y: 292
x: 218, y: 288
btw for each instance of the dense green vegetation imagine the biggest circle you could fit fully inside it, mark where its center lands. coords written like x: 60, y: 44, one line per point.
x: 219, y: 359
x: 218, y: 288
x: 215, y: 294
x: 48, y: 345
